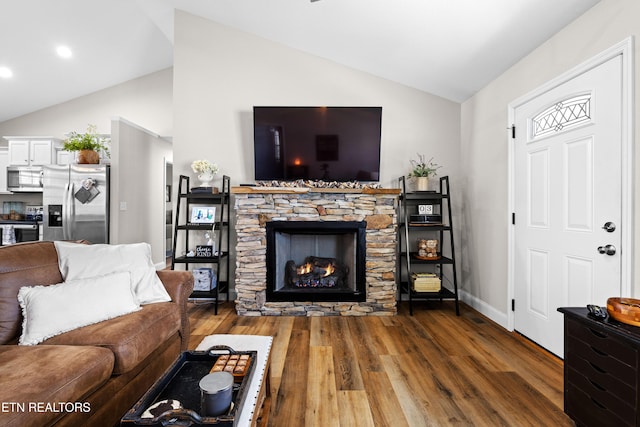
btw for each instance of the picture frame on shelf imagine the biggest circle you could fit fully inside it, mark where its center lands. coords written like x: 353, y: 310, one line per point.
x: 203, y: 214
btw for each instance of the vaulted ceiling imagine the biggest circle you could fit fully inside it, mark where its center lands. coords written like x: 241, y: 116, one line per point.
x: 451, y: 48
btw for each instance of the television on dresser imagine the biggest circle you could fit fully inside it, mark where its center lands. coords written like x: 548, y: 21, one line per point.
x: 317, y: 143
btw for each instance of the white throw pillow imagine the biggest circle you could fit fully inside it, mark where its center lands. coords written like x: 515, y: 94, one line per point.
x: 80, y: 261
x: 51, y: 310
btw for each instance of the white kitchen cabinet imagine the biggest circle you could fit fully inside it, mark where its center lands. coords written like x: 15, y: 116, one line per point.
x: 31, y: 151
x: 41, y: 153
x: 19, y: 153
x: 64, y: 157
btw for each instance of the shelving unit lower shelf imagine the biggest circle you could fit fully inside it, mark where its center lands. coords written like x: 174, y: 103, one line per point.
x: 218, y: 261
x: 437, y: 228
x: 443, y: 293
x: 221, y: 284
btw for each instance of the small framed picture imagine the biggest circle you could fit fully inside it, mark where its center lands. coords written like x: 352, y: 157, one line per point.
x: 203, y: 214
x: 425, y: 209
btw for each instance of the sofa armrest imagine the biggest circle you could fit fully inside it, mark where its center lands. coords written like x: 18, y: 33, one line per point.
x: 179, y: 285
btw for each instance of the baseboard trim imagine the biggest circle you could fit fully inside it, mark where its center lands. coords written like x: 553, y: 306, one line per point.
x: 483, y: 308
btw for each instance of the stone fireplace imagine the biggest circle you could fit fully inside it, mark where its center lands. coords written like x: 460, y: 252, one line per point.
x: 315, y: 251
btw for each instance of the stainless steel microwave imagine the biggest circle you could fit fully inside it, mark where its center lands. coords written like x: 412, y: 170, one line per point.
x: 24, y: 178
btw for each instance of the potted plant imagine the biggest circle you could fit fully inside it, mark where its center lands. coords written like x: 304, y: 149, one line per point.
x: 87, y: 145
x: 422, y: 170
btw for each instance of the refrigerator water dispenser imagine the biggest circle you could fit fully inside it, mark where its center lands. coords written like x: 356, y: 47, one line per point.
x: 55, y: 215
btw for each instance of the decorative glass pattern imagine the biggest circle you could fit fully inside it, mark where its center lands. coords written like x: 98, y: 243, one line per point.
x: 565, y: 114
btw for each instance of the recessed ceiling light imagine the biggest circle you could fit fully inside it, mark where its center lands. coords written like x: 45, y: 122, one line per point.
x: 5, y: 72
x: 64, y: 51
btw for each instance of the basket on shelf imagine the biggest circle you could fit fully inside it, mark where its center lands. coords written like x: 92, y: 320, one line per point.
x: 426, y: 282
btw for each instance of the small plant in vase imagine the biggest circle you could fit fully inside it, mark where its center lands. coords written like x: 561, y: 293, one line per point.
x: 422, y: 170
x: 205, y: 170
x: 87, y: 145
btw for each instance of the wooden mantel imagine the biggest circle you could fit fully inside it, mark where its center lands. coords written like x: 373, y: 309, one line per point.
x: 295, y: 190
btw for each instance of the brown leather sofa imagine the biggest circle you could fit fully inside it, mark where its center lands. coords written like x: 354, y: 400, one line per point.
x: 87, y: 376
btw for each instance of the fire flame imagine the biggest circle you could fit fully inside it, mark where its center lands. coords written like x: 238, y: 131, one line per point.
x: 330, y: 270
x: 304, y: 268
x: 308, y: 268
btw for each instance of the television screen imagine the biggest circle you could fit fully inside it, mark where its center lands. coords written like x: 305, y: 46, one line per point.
x: 317, y: 143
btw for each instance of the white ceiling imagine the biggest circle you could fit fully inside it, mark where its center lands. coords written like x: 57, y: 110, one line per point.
x: 451, y: 48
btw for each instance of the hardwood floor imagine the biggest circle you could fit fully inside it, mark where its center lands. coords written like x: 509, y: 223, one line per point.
x: 429, y: 369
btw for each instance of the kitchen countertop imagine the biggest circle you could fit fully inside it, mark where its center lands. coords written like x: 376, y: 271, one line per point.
x: 20, y: 222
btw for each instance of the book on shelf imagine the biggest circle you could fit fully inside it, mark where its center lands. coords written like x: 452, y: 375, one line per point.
x: 204, y: 190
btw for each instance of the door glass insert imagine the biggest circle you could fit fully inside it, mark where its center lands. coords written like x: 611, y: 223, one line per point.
x: 562, y: 115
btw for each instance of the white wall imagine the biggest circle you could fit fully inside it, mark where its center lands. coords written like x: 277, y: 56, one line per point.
x: 220, y: 73
x: 484, y: 144
x: 138, y: 192
x: 146, y: 101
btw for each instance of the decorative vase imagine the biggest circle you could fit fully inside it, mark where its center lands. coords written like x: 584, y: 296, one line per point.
x: 88, y: 157
x: 422, y: 183
x: 205, y: 179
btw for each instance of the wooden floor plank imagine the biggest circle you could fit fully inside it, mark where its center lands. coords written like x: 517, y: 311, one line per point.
x: 486, y: 342
x: 390, y: 336
x: 386, y: 409
x: 322, y: 398
x: 320, y: 332
x: 512, y: 397
x: 432, y: 393
x: 472, y: 395
x: 290, y: 402
x: 364, y: 345
x: 353, y: 408
x: 414, y: 412
x: 281, y: 336
x: 345, y: 356
x: 430, y: 369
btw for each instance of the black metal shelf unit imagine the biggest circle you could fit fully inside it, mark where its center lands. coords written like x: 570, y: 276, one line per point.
x: 219, y: 260
x: 413, y: 225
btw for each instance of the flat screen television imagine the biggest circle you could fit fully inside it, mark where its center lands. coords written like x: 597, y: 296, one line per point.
x: 317, y: 143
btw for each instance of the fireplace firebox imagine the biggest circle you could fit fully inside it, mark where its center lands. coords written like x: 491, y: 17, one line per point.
x: 316, y: 261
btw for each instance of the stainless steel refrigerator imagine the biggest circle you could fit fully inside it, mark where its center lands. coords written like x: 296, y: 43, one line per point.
x: 76, y: 202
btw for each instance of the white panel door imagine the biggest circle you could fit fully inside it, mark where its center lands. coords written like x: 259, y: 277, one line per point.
x: 567, y: 183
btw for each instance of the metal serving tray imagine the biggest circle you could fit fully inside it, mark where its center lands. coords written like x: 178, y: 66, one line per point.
x: 181, y: 382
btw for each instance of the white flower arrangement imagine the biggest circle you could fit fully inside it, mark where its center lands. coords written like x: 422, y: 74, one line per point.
x: 204, y: 166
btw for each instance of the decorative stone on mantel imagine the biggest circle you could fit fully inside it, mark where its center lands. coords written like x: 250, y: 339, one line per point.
x: 255, y: 206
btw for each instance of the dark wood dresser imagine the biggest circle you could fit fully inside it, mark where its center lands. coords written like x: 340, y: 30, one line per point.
x: 601, y: 372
